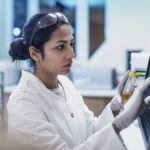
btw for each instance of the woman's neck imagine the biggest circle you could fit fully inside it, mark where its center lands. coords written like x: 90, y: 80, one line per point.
x: 48, y: 79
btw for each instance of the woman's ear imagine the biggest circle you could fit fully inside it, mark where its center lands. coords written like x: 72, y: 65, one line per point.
x: 34, y: 53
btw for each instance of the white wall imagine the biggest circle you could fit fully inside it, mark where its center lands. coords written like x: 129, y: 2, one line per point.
x: 127, y: 26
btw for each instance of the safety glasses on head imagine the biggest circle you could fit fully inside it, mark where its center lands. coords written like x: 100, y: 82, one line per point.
x: 48, y: 21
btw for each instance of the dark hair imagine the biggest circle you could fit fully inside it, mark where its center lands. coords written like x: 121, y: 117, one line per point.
x: 19, y: 48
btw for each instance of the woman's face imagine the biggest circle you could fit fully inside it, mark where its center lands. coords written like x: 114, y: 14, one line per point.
x: 58, y: 52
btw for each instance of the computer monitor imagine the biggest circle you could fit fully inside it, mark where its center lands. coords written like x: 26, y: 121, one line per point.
x: 144, y: 118
x: 128, y: 57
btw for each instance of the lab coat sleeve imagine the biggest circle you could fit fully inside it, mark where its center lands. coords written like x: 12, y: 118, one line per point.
x: 30, y: 126
x: 104, y: 118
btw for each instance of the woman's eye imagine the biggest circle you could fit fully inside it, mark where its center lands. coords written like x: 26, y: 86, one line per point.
x: 72, y: 44
x: 60, y: 47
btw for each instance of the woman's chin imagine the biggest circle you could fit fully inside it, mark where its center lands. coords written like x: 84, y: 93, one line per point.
x: 65, y: 72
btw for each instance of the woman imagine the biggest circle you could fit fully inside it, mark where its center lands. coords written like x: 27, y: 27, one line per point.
x: 45, y: 110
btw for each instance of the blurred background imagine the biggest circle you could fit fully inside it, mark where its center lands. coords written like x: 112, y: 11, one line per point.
x: 104, y: 30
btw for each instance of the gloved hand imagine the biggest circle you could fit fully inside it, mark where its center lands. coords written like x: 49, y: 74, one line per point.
x: 137, y: 105
x: 116, y: 103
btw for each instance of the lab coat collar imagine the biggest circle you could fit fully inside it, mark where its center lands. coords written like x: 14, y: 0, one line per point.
x: 28, y: 77
x: 28, y: 74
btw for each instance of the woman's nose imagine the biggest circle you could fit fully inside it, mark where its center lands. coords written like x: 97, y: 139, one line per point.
x: 70, y: 53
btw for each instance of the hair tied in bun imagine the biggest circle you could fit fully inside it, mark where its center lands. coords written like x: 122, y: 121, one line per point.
x: 18, y: 50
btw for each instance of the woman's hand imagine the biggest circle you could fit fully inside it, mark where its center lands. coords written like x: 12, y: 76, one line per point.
x: 137, y: 105
x: 116, y: 103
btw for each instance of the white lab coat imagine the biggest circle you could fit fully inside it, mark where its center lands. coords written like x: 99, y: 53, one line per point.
x: 48, y: 122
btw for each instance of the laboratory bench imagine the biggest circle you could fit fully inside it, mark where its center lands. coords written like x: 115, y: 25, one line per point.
x: 96, y: 100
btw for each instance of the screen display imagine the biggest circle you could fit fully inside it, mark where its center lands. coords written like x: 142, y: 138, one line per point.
x: 144, y: 118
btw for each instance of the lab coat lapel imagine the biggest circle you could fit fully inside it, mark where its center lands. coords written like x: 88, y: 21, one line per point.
x: 77, y: 121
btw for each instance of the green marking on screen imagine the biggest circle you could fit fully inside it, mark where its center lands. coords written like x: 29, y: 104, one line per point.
x: 141, y: 73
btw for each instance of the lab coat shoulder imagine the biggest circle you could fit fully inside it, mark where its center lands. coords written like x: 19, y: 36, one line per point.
x: 21, y: 97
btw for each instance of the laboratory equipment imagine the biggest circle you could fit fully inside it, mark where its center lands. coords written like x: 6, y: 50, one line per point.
x: 144, y: 118
x: 129, y: 87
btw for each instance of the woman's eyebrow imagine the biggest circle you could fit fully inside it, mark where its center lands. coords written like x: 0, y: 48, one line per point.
x: 64, y: 41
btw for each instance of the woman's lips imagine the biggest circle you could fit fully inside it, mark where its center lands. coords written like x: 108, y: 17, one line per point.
x: 67, y: 65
